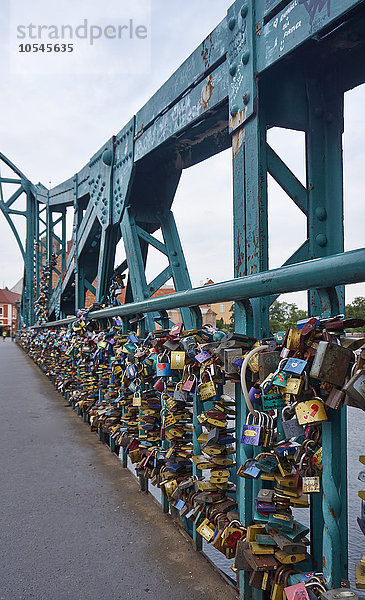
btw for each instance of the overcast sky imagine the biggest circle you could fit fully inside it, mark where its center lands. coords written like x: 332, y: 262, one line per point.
x: 52, y: 123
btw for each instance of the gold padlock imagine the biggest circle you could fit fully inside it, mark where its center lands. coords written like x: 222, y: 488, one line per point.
x: 311, y: 484
x: 206, y: 530
x: 293, y: 386
x: 219, y: 480
x: 216, y: 422
x: 310, y: 411
x: 207, y: 390
x: 253, y: 530
x: 293, y: 339
x: 206, y: 486
x: 261, y: 548
x: 177, y: 359
x: 288, y: 559
x: 170, y: 487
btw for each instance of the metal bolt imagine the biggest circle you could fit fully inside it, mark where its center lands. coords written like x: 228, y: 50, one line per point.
x: 232, y: 23
x: 321, y: 213
x: 246, y: 98
x: 146, y: 294
x: 175, y: 263
x: 321, y: 240
x: 234, y: 110
x: 233, y: 69
x: 107, y: 157
x: 245, y: 57
x: 244, y: 11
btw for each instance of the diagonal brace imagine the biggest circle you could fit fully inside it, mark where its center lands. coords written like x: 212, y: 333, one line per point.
x: 151, y: 240
x: 287, y: 180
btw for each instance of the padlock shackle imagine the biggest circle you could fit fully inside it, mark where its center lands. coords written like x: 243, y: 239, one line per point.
x: 243, y: 376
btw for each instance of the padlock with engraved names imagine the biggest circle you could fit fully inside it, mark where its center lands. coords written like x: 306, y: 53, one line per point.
x: 207, y: 389
x: 252, y: 432
x: 290, y: 423
x: 272, y: 401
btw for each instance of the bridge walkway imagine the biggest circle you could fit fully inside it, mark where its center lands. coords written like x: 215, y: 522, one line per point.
x: 73, y: 522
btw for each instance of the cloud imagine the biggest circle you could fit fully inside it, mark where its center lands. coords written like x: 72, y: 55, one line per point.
x: 53, y: 123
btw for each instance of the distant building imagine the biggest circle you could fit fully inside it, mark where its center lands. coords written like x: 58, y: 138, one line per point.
x: 222, y: 310
x: 18, y: 287
x: 9, y: 308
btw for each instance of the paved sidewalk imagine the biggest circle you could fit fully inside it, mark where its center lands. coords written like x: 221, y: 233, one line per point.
x: 73, y: 524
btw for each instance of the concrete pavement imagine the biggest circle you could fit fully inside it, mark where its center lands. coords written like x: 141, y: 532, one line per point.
x: 73, y: 522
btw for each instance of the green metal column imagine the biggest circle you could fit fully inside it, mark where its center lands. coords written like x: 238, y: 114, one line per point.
x: 29, y: 258
x: 250, y: 216
x: 326, y: 237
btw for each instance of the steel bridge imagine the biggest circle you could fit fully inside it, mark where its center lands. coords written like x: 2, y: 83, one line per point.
x: 269, y: 63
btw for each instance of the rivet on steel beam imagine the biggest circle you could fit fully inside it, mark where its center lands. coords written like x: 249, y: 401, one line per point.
x: 245, y: 57
x: 233, y: 69
x: 174, y: 253
x: 175, y: 263
x: 232, y: 23
x: 321, y: 240
x: 321, y: 213
x: 246, y: 98
x: 234, y: 110
x: 244, y: 11
x: 146, y: 294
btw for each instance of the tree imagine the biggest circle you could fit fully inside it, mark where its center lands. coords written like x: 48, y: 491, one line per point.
x: 284, y: 315
x: 356, y: 310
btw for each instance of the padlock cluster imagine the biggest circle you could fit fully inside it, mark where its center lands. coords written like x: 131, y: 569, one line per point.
x: 41, y: 304
x: 292, y: 386
x: 161, y: 400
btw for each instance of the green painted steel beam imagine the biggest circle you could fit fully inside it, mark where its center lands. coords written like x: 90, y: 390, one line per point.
x: 144, y: 235
x: 287, y: 180
x: 294, y: 24
x: 340, y: 269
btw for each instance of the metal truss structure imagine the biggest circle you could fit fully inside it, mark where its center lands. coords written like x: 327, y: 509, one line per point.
x: 269, y: 63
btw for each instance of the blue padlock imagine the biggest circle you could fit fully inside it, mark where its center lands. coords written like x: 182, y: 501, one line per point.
x: 131, y: 371
x: 163, y: 369
x: 255, y: 395
x: 295, y: 365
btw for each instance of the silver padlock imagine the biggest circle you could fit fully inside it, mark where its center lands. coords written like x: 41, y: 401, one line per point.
x: 291, y: 426
x: 339, y: 594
